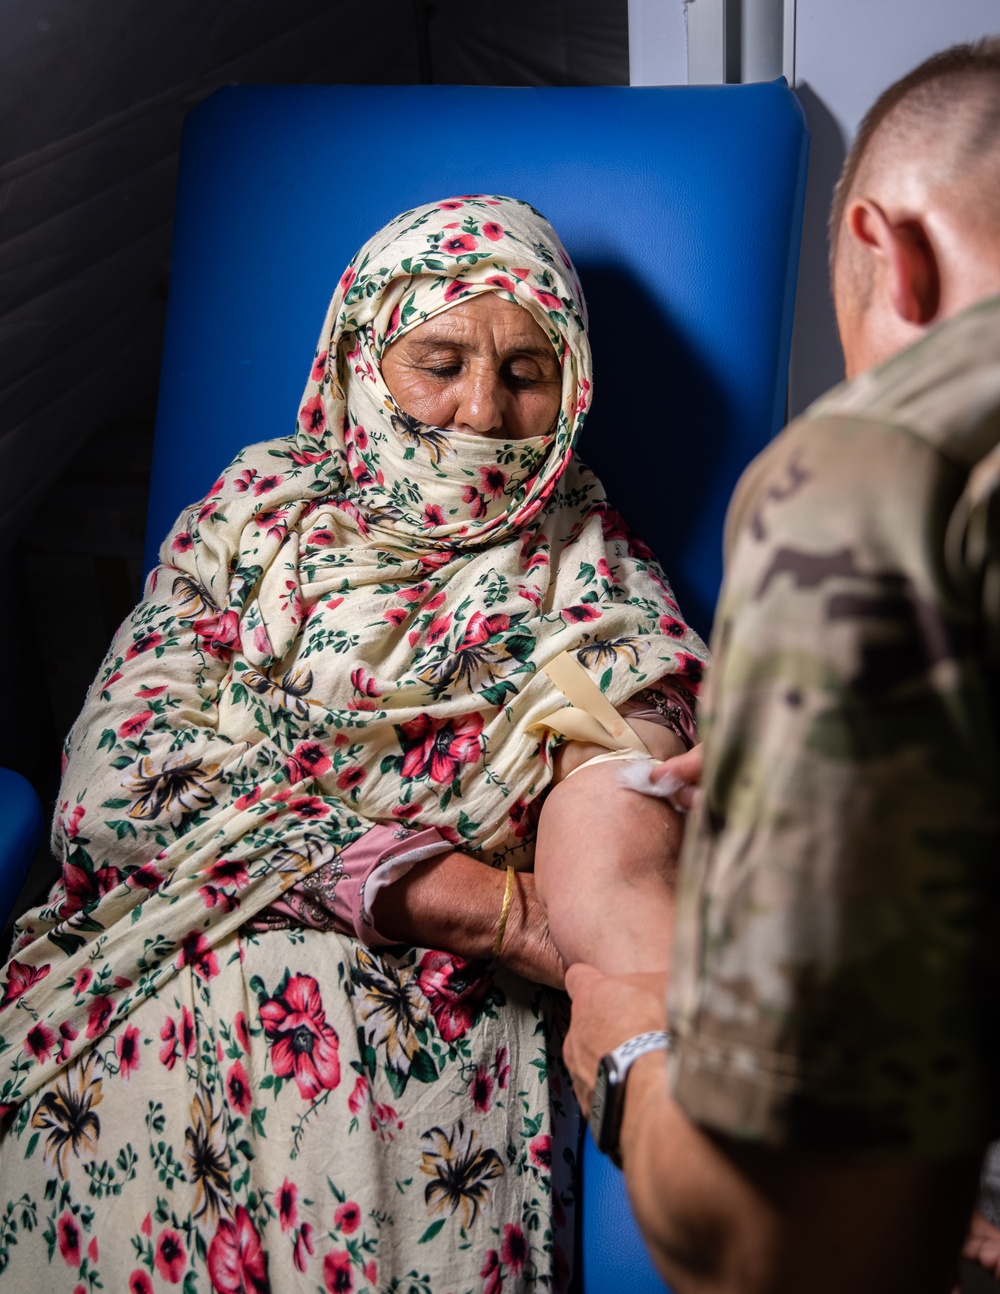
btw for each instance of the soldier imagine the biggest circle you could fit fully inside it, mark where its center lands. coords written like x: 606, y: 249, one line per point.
x: 833, y: 1082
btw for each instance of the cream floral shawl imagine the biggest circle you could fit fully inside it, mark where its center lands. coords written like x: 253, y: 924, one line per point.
x: 348, y: 630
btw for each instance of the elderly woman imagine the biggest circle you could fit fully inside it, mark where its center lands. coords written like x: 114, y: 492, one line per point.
x: 234, y: 1051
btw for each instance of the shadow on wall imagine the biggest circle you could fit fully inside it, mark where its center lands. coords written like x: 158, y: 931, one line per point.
x: 817, y: 361
x: 648, y: 385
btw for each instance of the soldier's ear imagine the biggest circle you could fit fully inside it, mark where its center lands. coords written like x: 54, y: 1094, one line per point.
x: 909, y: 274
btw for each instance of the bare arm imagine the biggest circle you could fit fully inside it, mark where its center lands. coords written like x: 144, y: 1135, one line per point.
x: 723, y: 1217
x: 454, y: 902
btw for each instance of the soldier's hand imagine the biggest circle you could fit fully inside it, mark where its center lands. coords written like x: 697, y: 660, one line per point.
x: 607, y: 1010
x: 685, y: 769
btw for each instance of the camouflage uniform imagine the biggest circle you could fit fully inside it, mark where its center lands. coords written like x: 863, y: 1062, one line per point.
x: 836, y: 967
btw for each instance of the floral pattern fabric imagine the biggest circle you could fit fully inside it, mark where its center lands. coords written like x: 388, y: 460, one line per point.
x: 347, y: 631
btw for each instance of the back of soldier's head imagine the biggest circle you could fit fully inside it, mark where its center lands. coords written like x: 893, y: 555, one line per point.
x: 935, y: 132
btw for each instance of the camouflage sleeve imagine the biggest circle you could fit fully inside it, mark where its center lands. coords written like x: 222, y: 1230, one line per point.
x: 835, y: 978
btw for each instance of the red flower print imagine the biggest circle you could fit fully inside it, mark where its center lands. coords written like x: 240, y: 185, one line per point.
x: 219, y: 634
x: 514, y: 1249
x: 493, y: 231
x: 309, y: 807
x: 39, y: 1042
x: 347, y: 1217
x: 245, y: 479
x: 548, y: 299
x: 139, y: 1283
x: 129, y: 1055
x: 169, y: 1257
x: 303, y: 1045
x: 20, y: 978
x: 396, y: 615
x: 351, y: 777
x: 492, y: 481
x: 144, y: 642
x: 691, y: 668
x: 580, y: 613
x: 99, y: 1014
x: 359, y: 1096
x: 672, y: 627
x: 146, y: 1226
x: 347, y: 278
x: 147, y: 692
x: 364, y: 684
x: 476, y: 502
x: 145, y: 877
x: 83, y: 888
x: 266, y: 484
x: 238, y: 1089
x: 197, y: 953
x: 540, y: 1151
x: 501, y: 1066
x: 305, y: 1247
x: 455, y: 990
x: 433, y: 515
x: 481, y: 1089
x: 319, y: 366
x: 406, y: 811
x: 481, y: 628
x: 131, y: 727
x: 439, y: 748
x: 67, y: 1033
x: 523, y: 816
x: 288, y: 1209
x: 251, y: 797
x: 272, y: 522
x: 236, y: 1263
x: 518, y: 273
x: 68, y: 1236
x: 308, y: 759
x: 451, y: 205
x: 70, y: 824
x: 492, y: 1273
x: 242, y: 1032
x: 182, y: 543
x: 337, y: 1275
x: 385, y: 1121
x: 306, y: 457
x: 501, y: 281
x: 312, y: 416
x: 455, y: 289
x: 437, y: 629
x: 230, y: 871
x: 459, y: 243
x: 371, y: 1271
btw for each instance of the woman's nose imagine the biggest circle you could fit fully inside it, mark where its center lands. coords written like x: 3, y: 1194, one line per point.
x: 479, y: 411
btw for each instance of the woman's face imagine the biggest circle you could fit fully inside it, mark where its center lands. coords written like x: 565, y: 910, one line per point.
x: 484, y: 367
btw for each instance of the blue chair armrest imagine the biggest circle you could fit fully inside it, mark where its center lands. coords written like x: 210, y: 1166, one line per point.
x: 22, y: 821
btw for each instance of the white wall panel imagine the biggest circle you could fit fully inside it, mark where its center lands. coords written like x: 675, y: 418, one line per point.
x: 846, y: 53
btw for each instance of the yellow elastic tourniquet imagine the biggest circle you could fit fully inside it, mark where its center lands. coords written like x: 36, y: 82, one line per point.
x: 590, y: 716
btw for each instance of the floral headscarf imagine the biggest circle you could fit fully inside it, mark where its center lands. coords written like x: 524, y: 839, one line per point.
x: 349, y: 630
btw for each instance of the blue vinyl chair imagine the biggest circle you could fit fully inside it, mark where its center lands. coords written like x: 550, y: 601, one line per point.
x: 22, y: 821
x: 682, y: 209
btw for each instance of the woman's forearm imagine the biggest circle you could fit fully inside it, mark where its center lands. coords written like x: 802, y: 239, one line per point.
x: 454, y: 902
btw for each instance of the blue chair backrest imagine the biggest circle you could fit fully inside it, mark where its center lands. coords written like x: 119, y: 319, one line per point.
x: 681, y: 207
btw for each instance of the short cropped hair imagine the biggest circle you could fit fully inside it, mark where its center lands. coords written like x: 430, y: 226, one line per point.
x: 931, y: 91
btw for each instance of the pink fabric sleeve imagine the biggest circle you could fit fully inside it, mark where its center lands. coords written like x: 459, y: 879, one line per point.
x: 340, y: 894
x: 669, y: 702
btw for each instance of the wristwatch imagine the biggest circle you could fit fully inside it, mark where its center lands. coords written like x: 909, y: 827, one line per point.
x: 608, y: 1104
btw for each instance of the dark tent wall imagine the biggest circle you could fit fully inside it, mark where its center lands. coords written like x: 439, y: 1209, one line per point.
x: 92, y: 99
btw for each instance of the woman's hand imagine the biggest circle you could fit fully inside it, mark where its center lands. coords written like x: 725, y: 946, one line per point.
x: 453, y: 902
x: 685, y: 768
x: 528, y: 949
